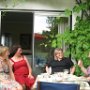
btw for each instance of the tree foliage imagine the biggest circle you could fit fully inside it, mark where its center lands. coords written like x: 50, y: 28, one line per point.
x: 79, y: 38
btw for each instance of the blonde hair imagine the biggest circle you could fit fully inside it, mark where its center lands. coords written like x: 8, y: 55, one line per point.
x: 56, y: 52
x: 3, y: 50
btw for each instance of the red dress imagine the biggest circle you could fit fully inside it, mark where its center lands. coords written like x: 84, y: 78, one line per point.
x: 21, y: 73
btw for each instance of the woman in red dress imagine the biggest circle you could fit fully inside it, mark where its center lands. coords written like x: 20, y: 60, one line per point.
x: 22, y: 69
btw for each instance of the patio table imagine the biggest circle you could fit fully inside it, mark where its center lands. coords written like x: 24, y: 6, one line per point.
x: 61, y: 77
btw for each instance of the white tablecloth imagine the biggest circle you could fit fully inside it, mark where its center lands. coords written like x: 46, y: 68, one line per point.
x: 62, y: 78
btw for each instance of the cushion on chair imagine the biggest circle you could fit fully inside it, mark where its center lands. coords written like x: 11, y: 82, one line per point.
x: 57, y: 86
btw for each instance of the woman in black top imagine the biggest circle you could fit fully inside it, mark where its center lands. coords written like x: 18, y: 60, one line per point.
x: 59, y: 63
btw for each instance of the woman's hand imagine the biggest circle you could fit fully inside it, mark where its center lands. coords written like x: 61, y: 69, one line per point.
x: 80, y: 63
x: 30, y: 76
x: 88, y: 78
x: 83, y: 69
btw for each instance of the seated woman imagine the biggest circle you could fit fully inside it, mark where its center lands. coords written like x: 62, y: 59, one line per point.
x: 59, y: 63
x: 7, y: 80
x: 21, y: 67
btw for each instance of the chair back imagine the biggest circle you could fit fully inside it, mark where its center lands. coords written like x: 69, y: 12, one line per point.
x: 57, y: 86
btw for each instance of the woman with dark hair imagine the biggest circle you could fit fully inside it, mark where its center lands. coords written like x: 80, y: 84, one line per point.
x: 21, y: 67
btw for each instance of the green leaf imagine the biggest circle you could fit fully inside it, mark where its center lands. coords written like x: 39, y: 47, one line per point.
x: 77, y: 9
x: 68, y: 12
x: 53, y: 44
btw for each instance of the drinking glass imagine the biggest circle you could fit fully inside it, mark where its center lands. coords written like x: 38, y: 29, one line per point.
x: 49, y: 71
x: 66, y: 71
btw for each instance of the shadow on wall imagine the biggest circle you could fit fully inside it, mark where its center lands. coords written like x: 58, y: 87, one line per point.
x: 39, y: 65
x: 40, y: 62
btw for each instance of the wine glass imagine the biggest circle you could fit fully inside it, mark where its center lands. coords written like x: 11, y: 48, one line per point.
x: 49, y: 71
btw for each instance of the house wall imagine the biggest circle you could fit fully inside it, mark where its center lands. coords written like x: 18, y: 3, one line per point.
x: 38, y: 4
